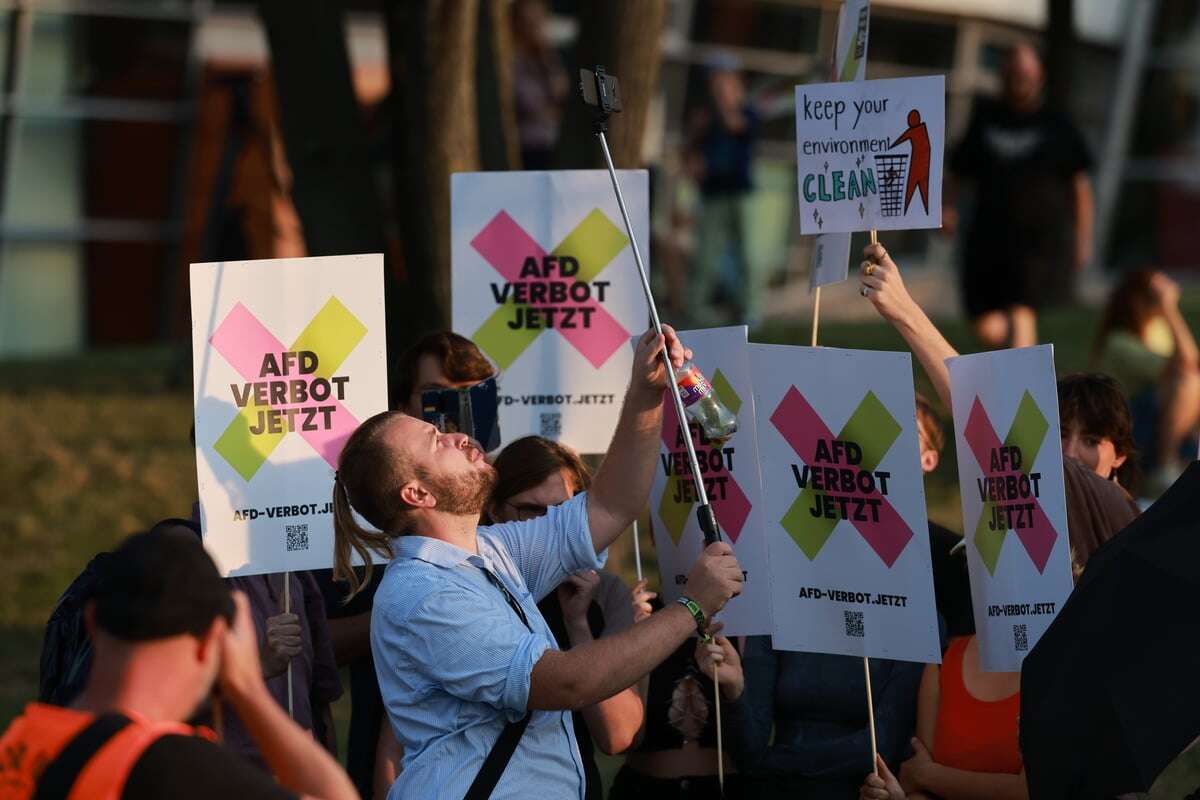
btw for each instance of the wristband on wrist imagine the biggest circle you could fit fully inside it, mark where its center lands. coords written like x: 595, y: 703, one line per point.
x: 698, y: 615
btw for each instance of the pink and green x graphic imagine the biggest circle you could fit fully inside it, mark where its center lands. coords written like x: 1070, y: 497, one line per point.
x: 505, y: 245
x: 1027, y: 432
x: 730, y: 504
x: 243, y: 341
x: 875, y: 430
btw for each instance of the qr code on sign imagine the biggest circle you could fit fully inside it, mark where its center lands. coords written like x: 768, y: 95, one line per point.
x: 854, y: 623
x: 552, y: 425
x: 1020, y: 638
x: 297, y: 537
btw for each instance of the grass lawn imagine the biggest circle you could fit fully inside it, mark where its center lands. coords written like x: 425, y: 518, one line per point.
x: 93, y: 448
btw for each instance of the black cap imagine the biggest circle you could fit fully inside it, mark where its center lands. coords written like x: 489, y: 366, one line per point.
x: 160, y: 584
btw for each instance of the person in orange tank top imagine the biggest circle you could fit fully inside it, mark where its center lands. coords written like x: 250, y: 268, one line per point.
x: 966, y: 744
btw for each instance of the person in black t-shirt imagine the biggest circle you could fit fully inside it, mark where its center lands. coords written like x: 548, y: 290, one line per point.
x: 165, y: 631
x: 1032, y: 222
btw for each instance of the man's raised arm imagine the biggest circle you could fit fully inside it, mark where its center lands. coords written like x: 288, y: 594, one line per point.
x: 622, y: 484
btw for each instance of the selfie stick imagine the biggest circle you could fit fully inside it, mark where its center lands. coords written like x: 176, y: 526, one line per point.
x: 605, y: 105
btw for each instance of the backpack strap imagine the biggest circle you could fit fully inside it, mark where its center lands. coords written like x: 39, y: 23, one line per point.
x: 59, y: 776
x: 96, y: 764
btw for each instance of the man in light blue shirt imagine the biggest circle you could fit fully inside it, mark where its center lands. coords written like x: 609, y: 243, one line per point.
x: 461, y: 651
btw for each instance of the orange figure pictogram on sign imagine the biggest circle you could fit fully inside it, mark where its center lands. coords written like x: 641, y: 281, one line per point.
x: 917, y: 136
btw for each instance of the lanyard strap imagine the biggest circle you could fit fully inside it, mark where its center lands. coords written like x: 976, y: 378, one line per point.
x: 512, y: 601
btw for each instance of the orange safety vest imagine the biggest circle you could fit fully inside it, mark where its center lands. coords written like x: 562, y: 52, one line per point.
x: 38, y: 736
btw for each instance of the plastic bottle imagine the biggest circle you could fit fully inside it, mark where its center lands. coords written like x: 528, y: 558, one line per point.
x: 702, y: 405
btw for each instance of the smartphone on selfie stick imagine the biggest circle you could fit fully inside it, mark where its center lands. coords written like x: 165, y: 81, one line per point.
x: 602, y: 91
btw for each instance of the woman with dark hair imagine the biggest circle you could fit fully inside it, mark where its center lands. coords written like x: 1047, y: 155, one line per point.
x: 533, y: 474
x: 1145, y: 343
x: 438, y: 360
x: 1097, y: 428
x: 674, y: 756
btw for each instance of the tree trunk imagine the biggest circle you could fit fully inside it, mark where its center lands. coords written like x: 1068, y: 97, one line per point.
x: 333, y: 190
x: 623, y: 36
x: 499, y: 148
x: 432, y: 57
x: 1060, y: 52
x: 322, y: 127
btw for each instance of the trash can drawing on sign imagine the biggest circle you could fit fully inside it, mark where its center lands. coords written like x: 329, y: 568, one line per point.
x: 891, y: 169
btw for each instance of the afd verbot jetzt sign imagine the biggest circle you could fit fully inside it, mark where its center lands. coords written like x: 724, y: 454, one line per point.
x: 844, y: 503
x: 289, y: 356
x: 1010, y: 474
x: 729, y: 470
x: 869, y: 154
x: 545, y: 283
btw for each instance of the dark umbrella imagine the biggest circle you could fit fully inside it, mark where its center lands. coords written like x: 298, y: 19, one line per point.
x: 1111, y: 693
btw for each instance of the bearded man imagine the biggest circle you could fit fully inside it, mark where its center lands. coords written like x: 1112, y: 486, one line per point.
x: 467, y: 666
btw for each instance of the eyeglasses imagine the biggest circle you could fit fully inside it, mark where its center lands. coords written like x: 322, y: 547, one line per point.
x: 526, y: 511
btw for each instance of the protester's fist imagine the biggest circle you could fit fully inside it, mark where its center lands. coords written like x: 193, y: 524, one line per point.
x: 715, y: 577
x: 641, y: 601
x: 648, y: 372
x: 282, y: 643
x: 881, y: 283
x: 721, y: 653
x: 1166, y: 291
x: 883, y: 786
x: 240, y: 666
x: 575, y: 595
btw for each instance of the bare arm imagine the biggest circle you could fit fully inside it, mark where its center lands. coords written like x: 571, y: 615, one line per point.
x: 600, y: 669
x: 296, y: 759
x: 928, y: 700
x: 622, y: 483
x: 886, y: 291
x: 1186, y: 356
x: 642, y: 611
x: 1084, y: 217
x: 921, y: 774
x: 585, y: 675
x: 959, y: 784
x: 389, y: 756
x: 615, y: 721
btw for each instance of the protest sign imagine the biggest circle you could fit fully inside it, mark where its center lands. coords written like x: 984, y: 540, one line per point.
x: 545, y: 283
x: 844, y: 503
x: 831, y: 251
x: 1013, y: 497
x: 830, y: 260
x: 289, y: 356
x: 869, y: 154
x: 730, y: 471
